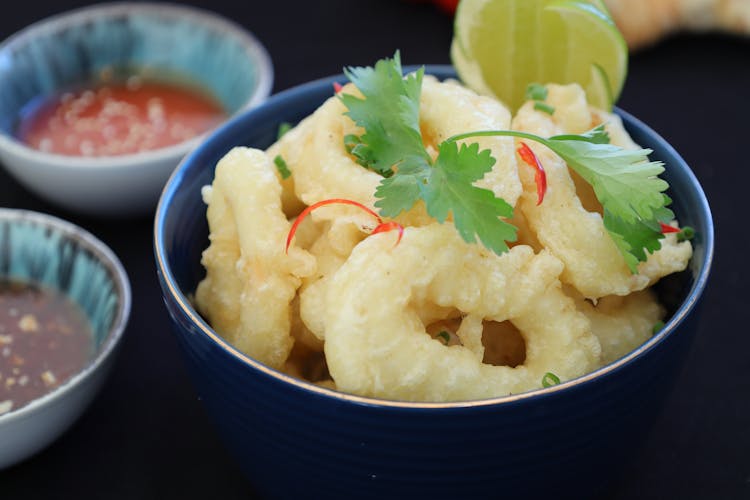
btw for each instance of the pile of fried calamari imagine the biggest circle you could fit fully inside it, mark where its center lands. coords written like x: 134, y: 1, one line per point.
x: 432, y: 318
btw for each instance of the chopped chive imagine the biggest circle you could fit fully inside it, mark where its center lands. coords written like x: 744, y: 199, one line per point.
x: 445, y: 337
x: 536, y: 92
x: 282, y: 167
x: 550, y: 379
x: 544, y: 107
x: 686, y: 233
x: 284, y: 127
x: 657, y: 327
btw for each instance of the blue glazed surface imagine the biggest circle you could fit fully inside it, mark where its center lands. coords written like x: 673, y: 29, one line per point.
x: 33, y: 250
x: 78, y: 46
x: 564, y: 442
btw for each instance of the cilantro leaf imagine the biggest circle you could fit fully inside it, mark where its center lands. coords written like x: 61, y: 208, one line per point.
x: 389, y: 113
x: 447, y: 189
x: 476, y: 211
x: 392, y: 145
x: 625, y: 182
x: 597, y: 135
x: 627, y: 185
x: 400, y: 192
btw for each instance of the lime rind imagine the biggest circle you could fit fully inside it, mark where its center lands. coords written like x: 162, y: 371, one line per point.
x: 600, y: 77
x: 599, y: 90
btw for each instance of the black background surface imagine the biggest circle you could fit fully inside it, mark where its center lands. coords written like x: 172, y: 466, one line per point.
x: 147, y: 436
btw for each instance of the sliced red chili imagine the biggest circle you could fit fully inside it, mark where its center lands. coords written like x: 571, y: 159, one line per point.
x: 382, y: 227
x: 540, y: 176
x: 666, y: 228
x: 337, y: 87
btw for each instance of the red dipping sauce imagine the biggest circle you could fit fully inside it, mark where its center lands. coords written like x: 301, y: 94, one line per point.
x: 117, y: 118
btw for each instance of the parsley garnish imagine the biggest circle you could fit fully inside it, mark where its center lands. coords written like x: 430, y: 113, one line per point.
x: 657, y: 327
x: 282, y: 167
x: 625, y: 182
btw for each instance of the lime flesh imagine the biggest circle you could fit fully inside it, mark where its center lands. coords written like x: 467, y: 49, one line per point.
x: 500, y: 46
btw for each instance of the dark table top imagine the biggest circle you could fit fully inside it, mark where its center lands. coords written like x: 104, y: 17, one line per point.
x: 147, y: 436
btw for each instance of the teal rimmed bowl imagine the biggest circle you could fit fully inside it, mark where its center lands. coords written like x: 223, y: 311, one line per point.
x: 566, y: 441
x: 77, y: 46
x: 42, y: 249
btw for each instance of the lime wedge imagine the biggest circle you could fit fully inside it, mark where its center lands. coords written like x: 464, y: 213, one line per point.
x: 500, y: 46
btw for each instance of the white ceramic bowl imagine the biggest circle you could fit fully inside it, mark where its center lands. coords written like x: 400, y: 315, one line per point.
x: 64, y: 50
x: 81, y: 266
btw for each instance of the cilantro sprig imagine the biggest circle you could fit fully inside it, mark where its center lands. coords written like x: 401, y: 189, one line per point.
x: 625, y: 182
x: 392, y: 145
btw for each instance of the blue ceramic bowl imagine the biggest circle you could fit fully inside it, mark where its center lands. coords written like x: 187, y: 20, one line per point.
x: 46, y: 250
x: 564, y: 441
x: 166, y: 40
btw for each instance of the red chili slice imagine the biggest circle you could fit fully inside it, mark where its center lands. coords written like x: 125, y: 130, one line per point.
x: 666, y: 228
x: 382, y: 227
x: 337, y: 87
x: 540, y: 176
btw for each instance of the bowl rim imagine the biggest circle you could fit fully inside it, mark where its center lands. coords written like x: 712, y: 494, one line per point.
x: 254, y: 49
x: 107, y: 257
x: 169, y: 284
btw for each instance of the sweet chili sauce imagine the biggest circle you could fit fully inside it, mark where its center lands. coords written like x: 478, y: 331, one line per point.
x: 45, y: 339
x: 118, y: 117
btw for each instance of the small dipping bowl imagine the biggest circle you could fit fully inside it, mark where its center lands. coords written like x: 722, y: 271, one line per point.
x: 565, y: 441
x: 52, y: 55
x: 41, y: 249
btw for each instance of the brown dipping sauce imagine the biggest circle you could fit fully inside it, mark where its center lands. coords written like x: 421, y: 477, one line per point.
x: 45, y: 339
x: 117, y: 118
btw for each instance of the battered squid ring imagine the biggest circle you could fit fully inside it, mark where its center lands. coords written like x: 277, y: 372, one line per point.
x: 380, y: 348
x: 250, y: 281
x: 622, y: 323
x: 322, y: 169
x: 569, y: 221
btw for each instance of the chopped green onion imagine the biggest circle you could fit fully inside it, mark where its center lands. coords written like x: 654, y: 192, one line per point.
x: 445, y: 337
x: 284, y: 127
x: 282, y: 167
x: 536, y: 92
x: 686, y: 233
x: 544, y: 107
x: 657, y: 327
x: 550, y: 379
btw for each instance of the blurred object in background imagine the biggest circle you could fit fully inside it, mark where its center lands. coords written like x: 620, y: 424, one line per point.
x: 644, y: 22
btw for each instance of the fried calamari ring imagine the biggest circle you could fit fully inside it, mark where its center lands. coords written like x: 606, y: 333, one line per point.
x: 322, y: 169
x: 377, y: 345
x: 448, y: 108
x: 250, y: 281
x: 622, y: 323
x: 569, y: 221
